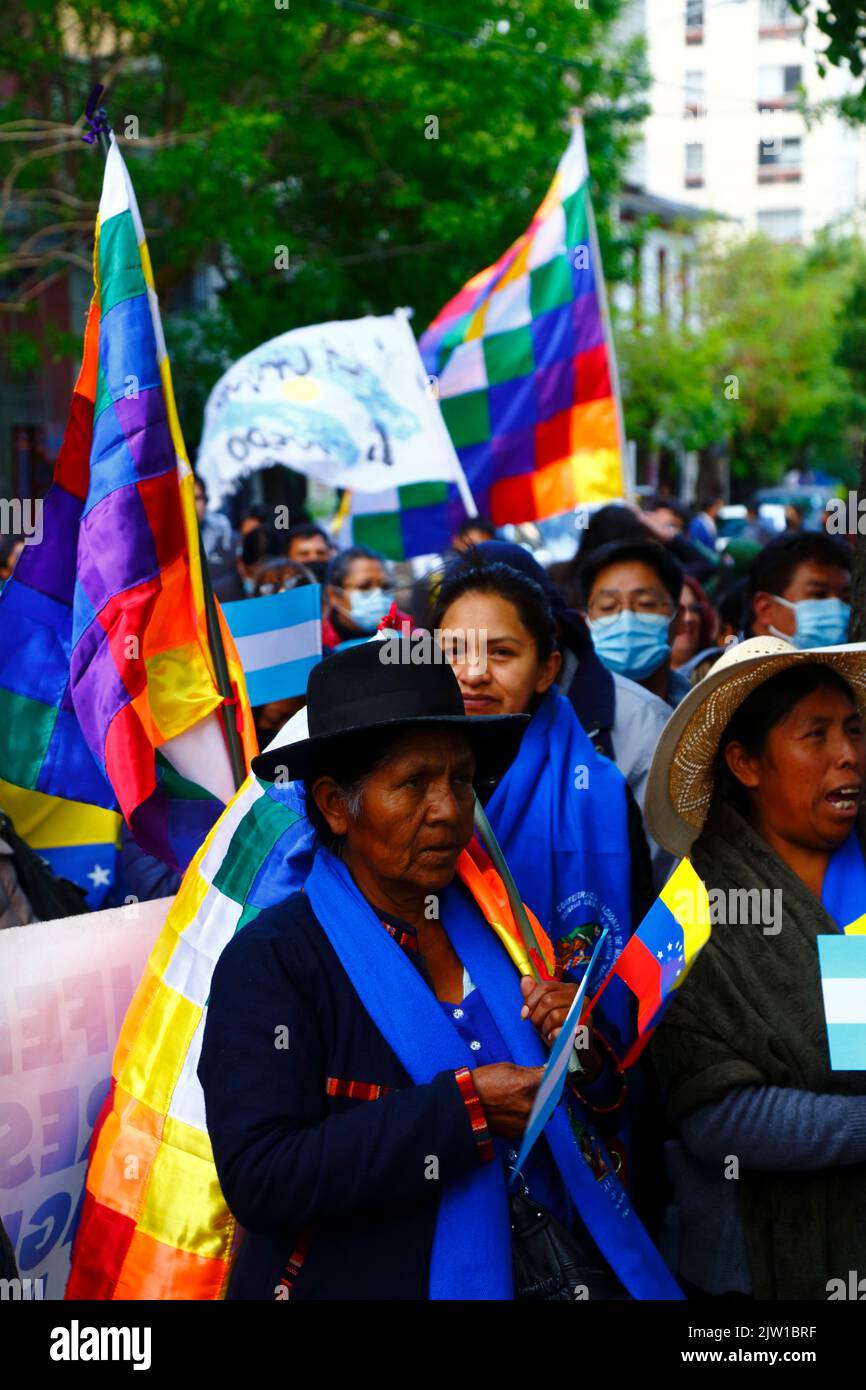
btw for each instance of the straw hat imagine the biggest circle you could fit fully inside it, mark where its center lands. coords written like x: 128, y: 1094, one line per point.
x: 680, y: 785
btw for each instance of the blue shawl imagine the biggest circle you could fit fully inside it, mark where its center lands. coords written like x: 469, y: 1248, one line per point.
x: 844, y: 890
x: 471, y: 1257
x: 560, y: 816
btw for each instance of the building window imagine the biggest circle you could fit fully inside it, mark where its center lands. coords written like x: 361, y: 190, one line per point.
x: 694, y: 21
x: 781, y: 224
x: 663, y: 281
x: 694, y: 166
x: 780, y: 160
x: 777, y: 86
x: 776, y: 20
x: 694, y: 90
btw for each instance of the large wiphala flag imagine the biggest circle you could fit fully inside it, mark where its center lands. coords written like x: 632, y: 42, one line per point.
x: 107, y: 686
x: 524, y: 366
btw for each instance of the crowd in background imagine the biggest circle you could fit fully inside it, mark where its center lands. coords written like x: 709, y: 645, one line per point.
x: 643, y: 609
x: 624, y: 630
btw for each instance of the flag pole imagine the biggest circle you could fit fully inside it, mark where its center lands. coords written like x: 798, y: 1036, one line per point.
x: 607, y: 327
x: 521, y: 916
x: 99, y: 133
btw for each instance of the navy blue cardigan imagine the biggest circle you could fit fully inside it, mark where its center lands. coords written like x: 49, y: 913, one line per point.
x: 333, y: 1192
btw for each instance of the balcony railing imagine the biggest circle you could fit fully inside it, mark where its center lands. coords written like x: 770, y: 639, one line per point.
x: 774, y: 174
x: 789, y: 29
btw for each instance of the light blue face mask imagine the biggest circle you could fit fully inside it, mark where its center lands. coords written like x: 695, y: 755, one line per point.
x: 820, y: 622
x: 249, y: 586
x: 368, y: 607
x: 631, y: 644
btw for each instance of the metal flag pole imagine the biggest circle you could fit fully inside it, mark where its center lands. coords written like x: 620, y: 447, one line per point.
x: 99, y: 132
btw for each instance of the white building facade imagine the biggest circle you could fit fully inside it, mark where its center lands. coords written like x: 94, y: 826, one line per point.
x: 724, y: 132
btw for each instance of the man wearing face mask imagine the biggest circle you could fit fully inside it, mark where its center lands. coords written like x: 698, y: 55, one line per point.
x: 359, y: 593
x: 800, y: 590
x: 631, y: 593
x: 630, y: 599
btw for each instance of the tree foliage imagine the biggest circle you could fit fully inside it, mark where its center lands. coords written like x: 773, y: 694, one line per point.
x: 770, y: 372
x: 392, y: 160
x: 843, y: 24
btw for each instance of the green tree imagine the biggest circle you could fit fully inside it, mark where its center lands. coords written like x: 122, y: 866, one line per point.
x: 843, y: 23
x: 763, y: 375
x: 319, y: 161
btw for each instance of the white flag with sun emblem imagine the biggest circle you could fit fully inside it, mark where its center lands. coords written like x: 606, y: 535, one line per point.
x: 349, y: 403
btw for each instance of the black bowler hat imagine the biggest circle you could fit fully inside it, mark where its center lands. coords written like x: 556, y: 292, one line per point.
x: 375, y: 686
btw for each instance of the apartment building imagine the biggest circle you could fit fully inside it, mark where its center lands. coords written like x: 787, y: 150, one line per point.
x: 725, y: 132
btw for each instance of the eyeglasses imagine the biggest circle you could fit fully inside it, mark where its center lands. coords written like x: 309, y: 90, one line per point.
x: 609, y: 605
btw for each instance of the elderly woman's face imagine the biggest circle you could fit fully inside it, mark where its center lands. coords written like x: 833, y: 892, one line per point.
x: 416, y: 813
x: 807, y: 784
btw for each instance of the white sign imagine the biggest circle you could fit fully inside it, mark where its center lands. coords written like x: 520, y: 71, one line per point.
x: 64, y: 989
x: 348, y: 403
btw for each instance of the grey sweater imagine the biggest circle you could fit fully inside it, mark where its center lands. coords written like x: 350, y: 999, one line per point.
x: 770, y: 1128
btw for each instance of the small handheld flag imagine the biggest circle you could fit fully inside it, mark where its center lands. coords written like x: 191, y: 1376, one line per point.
x: 279, y: 641
x: 660, y: 954
x: 843, y: 982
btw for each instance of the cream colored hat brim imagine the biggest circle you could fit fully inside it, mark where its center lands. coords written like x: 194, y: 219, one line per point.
x: 680, y: 784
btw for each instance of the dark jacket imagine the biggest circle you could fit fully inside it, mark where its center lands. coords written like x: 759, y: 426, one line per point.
x: 145, y: 876
x: 340, y: 1183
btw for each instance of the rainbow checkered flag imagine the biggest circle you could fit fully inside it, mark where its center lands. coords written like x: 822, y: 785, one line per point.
x: 108, y: 694
x: 522, y: 362
x: 154, y: 1223
x: 658, y: 957
x: 524, y: 366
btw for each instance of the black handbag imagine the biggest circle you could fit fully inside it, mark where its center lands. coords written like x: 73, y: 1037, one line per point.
x: 552, y: 1265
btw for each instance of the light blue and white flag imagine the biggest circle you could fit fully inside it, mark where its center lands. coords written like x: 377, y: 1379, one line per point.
x: 843, y: 980
x: 279, y: 641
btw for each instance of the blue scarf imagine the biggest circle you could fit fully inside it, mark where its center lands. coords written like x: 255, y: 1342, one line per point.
x: 844, y: 890
x: 559, y: 814
x: 471, y: 1256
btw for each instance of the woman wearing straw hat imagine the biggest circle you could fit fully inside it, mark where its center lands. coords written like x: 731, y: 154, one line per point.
x: 367, y: 1060
x: 759, y: 779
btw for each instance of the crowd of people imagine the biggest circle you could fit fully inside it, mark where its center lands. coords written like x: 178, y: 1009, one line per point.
x: 715, y: 711
x: 653, y: 697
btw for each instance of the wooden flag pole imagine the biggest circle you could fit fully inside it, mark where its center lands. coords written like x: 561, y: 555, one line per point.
x: 229, y: 706
x: 521, y: 916
x: 96, y: 117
